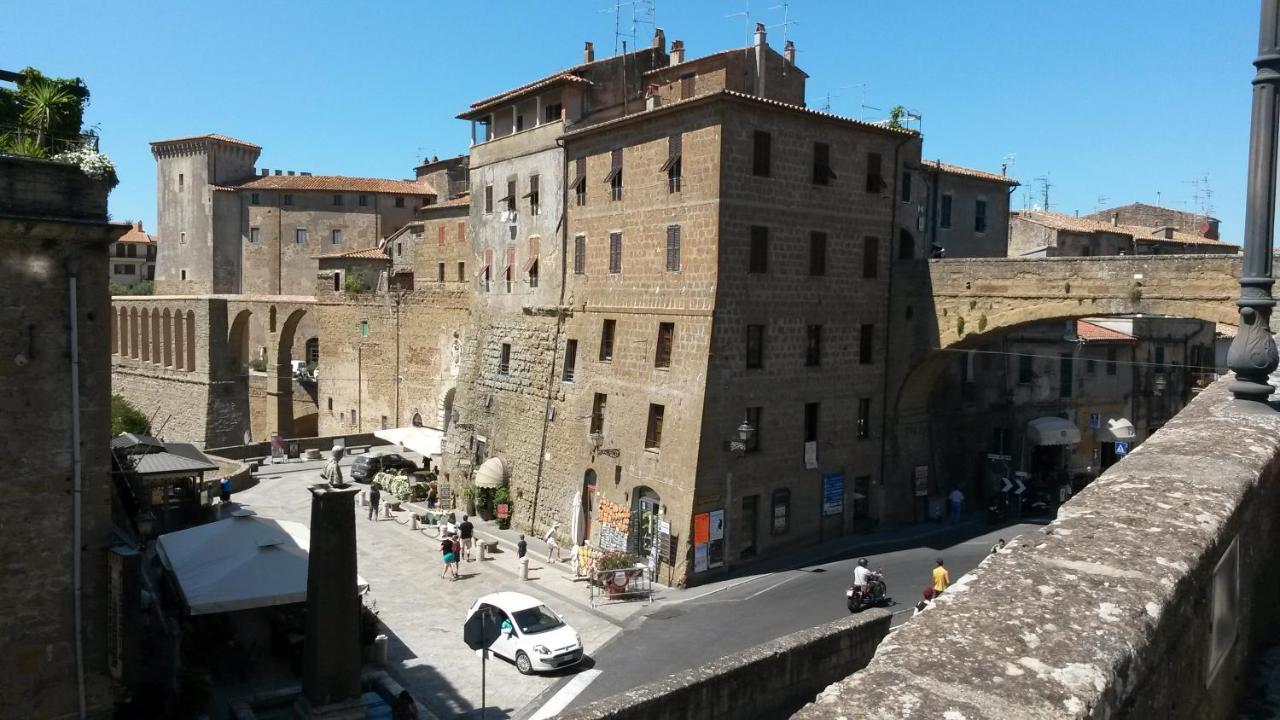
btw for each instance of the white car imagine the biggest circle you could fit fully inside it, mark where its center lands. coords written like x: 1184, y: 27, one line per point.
x: 531, y: 635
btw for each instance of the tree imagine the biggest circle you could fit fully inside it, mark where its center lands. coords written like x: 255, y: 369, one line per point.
x: 42, y: 114
x: 896, y: 115
x: 127, y: 418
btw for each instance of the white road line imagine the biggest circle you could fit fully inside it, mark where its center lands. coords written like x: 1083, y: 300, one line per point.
x: 561, y: 699
x: 722, y: 588
x: 765, y: 590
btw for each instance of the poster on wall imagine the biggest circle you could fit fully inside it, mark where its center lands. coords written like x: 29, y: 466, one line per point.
x: 811, y: 455
x: 715, y: 548
x: 922, y: 480
x: 833, y: 494
x: 701, y: 538
x: 699, y: 558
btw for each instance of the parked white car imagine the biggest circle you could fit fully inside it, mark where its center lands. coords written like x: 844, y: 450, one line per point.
x: 532, y: 636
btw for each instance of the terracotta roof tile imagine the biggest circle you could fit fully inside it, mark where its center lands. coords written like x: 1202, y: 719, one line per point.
x: 208, y: 136
x: 136, y: 235
x: 331, y: 183
x: 968, y: 172
x: 1070, y: 223
x: 372, y: 253
x: 1091, y: 332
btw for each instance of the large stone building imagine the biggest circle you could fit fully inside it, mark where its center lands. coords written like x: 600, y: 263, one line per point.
x: 1036, y: 233
x: 1154, y: 216
x: 55, y: 327
x: 961, y: 211
x: 133, y: 257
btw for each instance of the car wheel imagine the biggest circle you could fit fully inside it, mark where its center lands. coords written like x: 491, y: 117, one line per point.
x: 523, y: 663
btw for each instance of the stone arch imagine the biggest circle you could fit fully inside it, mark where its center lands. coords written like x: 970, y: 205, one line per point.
x: 281, y: 377
x: 133, y: 333
x: 146, y: 335
x: 157, y: 347
x: 166, y: 338
x: 191, y: 340
x: 417, y: 420
x: 179, y: 342
x: 444, y: 407
x: 238, y: 342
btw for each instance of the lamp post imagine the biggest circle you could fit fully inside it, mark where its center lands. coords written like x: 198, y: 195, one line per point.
x: 738, y: 447
x: 1253, y: 352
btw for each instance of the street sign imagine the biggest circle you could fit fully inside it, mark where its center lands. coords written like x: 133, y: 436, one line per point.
x: 1007, y: 485
x: 999, y: 458
x: 1021, y: 485
x: 1122, y: 449
x: 833, y: 494
x: 1095, y: 420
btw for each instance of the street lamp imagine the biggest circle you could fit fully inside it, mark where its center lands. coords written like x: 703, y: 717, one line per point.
x: 746, y: 431
x: 738, y: 447
x: 1253, y: 352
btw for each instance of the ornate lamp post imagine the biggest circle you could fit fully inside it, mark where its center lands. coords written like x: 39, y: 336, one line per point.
x: 738, y: 447
x: 1253, y: 353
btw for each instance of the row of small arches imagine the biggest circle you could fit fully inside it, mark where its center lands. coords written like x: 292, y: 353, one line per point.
x: 162, y: 337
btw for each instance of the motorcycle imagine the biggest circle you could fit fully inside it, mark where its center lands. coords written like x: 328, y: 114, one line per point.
x: 874, y: 595
x: 998, y: 510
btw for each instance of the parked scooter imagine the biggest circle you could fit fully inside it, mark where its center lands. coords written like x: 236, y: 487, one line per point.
x: 873, y: 595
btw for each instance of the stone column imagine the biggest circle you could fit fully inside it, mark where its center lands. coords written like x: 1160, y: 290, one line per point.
x: 331, y: 662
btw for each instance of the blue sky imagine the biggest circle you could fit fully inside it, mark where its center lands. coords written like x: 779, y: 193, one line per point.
x: 1121, y: 99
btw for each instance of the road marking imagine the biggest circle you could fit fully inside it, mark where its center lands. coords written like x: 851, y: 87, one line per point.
x: 561, y: 700
x: 722, y: 588
x: 765, y: 590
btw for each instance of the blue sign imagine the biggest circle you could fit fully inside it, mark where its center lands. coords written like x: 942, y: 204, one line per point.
x: 1122, y: 449
x: 833, y: 494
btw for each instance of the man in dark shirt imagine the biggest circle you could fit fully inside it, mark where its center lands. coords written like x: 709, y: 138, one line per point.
x: 465, y: 531
x: 522, y: 548
x: 375, y: 497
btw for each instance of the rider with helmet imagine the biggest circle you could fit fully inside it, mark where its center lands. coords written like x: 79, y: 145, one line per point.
x: 861, y: 576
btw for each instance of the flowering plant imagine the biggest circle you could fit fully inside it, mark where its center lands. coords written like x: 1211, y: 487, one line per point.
x: 91, y: 163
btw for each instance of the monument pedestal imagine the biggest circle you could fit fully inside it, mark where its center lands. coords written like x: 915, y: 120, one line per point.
x: 331, y: 657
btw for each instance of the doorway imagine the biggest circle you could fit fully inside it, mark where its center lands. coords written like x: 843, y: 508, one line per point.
x: 588, y: 504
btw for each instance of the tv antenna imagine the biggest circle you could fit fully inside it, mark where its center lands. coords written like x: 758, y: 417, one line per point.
x: 746, y: 24
x: 787, y: 22
x: 1006, y: 162
x: 1045, y: 185
x: 643, y: 12
x: 1102, y: 202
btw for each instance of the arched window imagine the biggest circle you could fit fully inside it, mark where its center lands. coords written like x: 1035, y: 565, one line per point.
x: 906, y: 245
x: 645, y: 504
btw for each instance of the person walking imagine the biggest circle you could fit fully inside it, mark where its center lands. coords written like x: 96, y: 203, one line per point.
x: 375, y: 497
x: 332, y: 472
x: 457, y: 554
x: 224, y: 490
x: 553, y: 546
x: 446, y: 550
x: 522, y: 548
x: 941, y: 579
x: 466, y: 531
x: 957, y: 505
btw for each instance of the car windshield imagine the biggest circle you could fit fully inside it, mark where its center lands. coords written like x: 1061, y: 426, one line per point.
x: 536, y: 620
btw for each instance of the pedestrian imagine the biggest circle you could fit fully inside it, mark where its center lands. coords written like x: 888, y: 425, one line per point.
x: 375, y: 497
x: 332, y: 472
x: 446, y: 549
x: 466, y: 530
x: 924, y: 604
x: 998, y: 546
x: 522, y: 548
x: 553, y: 545
x: 405, y: 708
x: 957, y: 504
x: 224, y: 490
x: 941, y: 578
x: 457, y: 554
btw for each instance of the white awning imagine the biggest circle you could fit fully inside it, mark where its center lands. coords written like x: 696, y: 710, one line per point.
x: 1052, y: 431
x: 492, y: 473
x: 240, y: 563
x: 1117, y: 430
x: 423, y: 440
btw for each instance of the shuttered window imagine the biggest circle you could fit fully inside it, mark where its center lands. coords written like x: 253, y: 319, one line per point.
x: 673, y: 248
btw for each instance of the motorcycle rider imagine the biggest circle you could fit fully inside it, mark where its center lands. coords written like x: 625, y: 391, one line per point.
x: 861, y: 577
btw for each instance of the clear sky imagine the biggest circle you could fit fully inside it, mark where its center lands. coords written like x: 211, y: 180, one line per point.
x: 1113, y: 100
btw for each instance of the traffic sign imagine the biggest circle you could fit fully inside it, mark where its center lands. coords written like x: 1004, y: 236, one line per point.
x: 1007, y: 485
x: 1021, y: 485
x: 997, y: 456
x: 1122, y: 449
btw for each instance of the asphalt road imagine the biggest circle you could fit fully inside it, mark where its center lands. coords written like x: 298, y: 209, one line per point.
x: 677, y: 636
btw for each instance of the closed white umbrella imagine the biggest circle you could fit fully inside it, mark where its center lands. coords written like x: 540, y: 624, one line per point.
x: 491, y: 474
x: 577, y: 531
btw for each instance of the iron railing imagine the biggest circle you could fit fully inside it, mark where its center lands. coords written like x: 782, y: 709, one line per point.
x: 15, y: 137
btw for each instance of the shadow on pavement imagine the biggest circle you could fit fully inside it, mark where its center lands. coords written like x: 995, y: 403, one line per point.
x: 425, y: 684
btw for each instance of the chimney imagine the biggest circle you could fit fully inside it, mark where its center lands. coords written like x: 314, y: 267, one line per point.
x: 305, y: 174
x: 789, y: 52
x: 761, y: 46
x: 137, y: 225
x: 588, y: 52
x: 1168, y: 232
x: 677, y: 52
x: 290, y: 173
x: 1115, y: 218
x: 266, y: 171
x: 660, y: 39
x: 279, y: 172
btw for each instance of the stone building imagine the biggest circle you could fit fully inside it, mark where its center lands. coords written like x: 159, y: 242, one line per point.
x: 56, y: 381
x: 1154, y: 216
x: 1035, y: 233
x: 961, y: 211
x: 653, y: 271
x: 133, y: 257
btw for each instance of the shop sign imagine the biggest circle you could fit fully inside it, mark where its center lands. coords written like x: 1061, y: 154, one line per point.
x: 833, y: 494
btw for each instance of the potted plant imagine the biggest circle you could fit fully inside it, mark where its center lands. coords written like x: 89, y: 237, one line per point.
x: 616, y: 568
x: 469, y: 498
x: 502, y: 496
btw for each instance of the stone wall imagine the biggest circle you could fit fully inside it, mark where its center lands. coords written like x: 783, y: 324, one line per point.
x: 768, y: 681
x: 1145, y: 598
x: 51, y: 213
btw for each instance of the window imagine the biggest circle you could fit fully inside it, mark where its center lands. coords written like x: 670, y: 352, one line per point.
x: 255, y: 234
x: 337, y: 201
x: 364, y: 328
x: 287, y: 199
x: 781, y: 512
x: 533, y: 195
x: 1091, y: 365
x: 579, y: 183
x: 811, y: 422
x: 579, y: 254
x: 184, y: 274
x: 945, y: 220
x: 399, y: 249
x: 758, y: 258
x: 533, y: 274
x: 131, y: 251
x: 598, y: 404
x: 362, y: 201
x: 485, y: 278
x: 353, y: 416
x: 570, y: 360
x: 337, y: 281
x: 813, y: 346
x: 822, y: 174
x: 864, y: 418
x: 755, y: 346
x: 906, y: 186
x: 666, y: 338
x: 615, y: 175
x: 511, y: 196
x: 336, y: 238
x: 980, y: 216
x: 762, y: 146
x: 519, y: 123
x: 399, y: 202
x: 817, y: 253
x: 440, y: 273
x: 504, y: 364
x: 330, y: 404
x: 615, y: 252
x: 753, y: 419
x: 673, y: 164
x: 300, y: 236
x: 462, y: 272
x: 686, y: 86
x: 865, y: 339
x: 488, y: 199
x: 552, y: 112
x: 118, y: 269
x: 870, y: 257
x: 506, y: 277
x: 182, y: 238
x: 119, y: 250
x: 1066, y: 375
x: 653, y: 435
x: 606, y: 340
x: 673, y: 248
x: 1111, y: 361
x: 875, y: 182
x: 181, y: 180
x: 253, y: 198
x: 1024, y: 369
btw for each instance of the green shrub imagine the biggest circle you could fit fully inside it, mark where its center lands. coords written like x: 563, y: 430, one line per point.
x: 501, y: 496
x: 127, y: 418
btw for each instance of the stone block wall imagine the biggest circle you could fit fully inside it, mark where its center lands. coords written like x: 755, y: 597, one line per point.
x: 41, y: 188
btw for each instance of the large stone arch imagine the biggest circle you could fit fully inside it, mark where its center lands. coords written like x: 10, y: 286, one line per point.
x: 238, y: 341
x: 444, y: 407
x: 280, y: 382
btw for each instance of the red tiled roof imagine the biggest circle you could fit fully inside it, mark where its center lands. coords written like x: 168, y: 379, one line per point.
x: 1091, y: 332
x: 1058, y: 221
x: 136, y: 235
x: 968, y: 172
x: 372, y: 253
x: 208, y: 136
x: 331, y: 183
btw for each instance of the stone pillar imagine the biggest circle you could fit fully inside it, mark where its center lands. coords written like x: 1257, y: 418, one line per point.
x: 331, y: 661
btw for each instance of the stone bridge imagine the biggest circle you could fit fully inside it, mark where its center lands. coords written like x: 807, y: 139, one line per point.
x: 175, y: 354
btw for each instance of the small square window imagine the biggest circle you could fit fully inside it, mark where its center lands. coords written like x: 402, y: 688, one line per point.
x: 336, y: 237
x: 254, y: 235
x: 287, y: 199
x: 300, y: 236
x: 504, y: 365
x: 399, y: 202
x: 253, y: 198
x: 337, y: 201
x: 362, y: 201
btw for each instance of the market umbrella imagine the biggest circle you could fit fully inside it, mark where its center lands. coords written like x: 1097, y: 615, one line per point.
x: 577, y: 523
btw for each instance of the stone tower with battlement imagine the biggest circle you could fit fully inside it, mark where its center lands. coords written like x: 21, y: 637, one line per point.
x: 198, y: 230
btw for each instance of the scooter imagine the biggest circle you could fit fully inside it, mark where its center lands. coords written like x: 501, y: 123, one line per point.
x: 875, y: 594
x: 998, y: 510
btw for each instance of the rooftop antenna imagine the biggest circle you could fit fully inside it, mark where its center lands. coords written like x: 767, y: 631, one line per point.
x: 1045, y: 185
x: 1102, y: 202
x: 746, y: 24
x: 643, y: 12
x: 787, y: 22
x: 1006, y: 162
x: 826, y: 104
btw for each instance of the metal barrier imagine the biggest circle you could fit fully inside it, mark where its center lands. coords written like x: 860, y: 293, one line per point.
x: 608, y: 586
